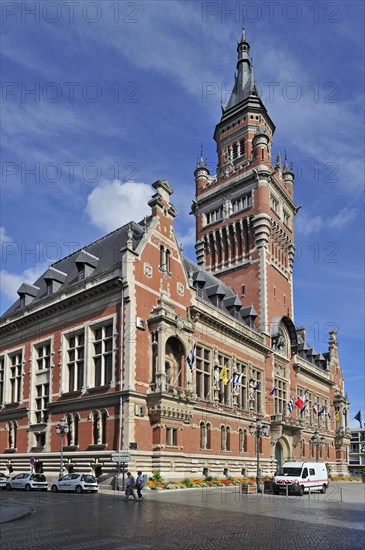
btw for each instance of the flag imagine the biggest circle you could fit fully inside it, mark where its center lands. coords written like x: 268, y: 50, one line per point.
x: 257, y: 385
x: 303, y: 409
x: 191, y: 357
x: 236, y: 378
x: 323, y: 409
x: 300, y: 401
x: 291, y: 404
x: 314, y: 408
x: 272, y: 391
x: 358, y: 418
x: 337, y: 416
x: 224, y: 375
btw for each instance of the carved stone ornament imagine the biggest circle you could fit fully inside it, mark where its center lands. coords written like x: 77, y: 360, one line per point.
x: 180, y: 289
x: 179, y: 324
x: 148, y: 269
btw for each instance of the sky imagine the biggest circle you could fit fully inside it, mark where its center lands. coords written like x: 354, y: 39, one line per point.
x: 100, y: 99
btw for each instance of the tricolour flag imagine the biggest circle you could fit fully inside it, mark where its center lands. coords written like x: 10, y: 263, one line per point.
x: 236, y: 378
x: 191, y: 357
x: 358, y: 418
x: 303, y: 409
x: 322, y: 411
x: 291, y: 404
x: 224, y: 375
x: 314, y: 408
x: 272, y: 391
x: 300, y: 401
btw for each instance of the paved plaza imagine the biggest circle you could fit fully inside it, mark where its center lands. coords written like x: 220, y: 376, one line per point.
x: 185, y: 519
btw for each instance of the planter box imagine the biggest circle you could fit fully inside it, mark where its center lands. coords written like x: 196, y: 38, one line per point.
x: 246, y: 490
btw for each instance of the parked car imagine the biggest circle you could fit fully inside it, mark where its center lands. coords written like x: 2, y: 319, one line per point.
x: 3, y: 480
x: 78, y: 482
x: 27, y: 481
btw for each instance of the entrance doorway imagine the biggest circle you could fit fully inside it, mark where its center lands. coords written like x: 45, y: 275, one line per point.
x: 279, y: 455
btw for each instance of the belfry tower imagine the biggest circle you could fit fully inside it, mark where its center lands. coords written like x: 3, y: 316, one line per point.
x: 245, y: 213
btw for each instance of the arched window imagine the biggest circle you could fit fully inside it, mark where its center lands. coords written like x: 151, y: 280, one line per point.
x: 223, y: 438
x: 228, y: 438
x: 167, y: 262
x: 99, y: 420
x: 72, y: 421
x: 235, y: 151
x: 242, y: 148
x: 12, y: 434
x: 209, y: 433
x: 162, y: 257
x: 203, y: 435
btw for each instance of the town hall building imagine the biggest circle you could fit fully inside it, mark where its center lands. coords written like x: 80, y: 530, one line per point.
x: 127, y: 344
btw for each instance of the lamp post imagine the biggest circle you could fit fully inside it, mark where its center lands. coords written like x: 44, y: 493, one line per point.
x: 259, y: 430
x: 317, y: 441
x: 62, y: 429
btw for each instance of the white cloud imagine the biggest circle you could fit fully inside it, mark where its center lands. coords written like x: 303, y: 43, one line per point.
x: 4, y: 237
x: 113, y: 203
x: 10, y: 282
x: 306, y: 224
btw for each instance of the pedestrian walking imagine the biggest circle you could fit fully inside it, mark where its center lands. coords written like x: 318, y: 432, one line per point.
x: 130, y: 487
x: 139, y: 484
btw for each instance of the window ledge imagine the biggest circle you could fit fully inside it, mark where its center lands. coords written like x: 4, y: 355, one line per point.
x: 73, y: 393
x: 95, y: 389
x: 97, y: 447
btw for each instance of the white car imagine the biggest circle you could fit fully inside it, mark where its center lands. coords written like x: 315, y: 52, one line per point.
x: 3, y: 480
x: 27, y: 481
x: 78, y: 482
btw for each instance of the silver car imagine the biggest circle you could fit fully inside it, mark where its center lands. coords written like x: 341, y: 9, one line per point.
x: 78, y: 482
x: 27, y: 481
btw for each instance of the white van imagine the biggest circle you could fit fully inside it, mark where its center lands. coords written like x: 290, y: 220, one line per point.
x: 300, y: 477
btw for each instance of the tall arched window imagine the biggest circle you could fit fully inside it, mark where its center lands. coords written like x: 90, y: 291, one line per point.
x: 209, y: 433
x: 228, y: 438
x: 12, y: 435
x: 223, y: 438
x: 203, y: 435
x: 73, y: 429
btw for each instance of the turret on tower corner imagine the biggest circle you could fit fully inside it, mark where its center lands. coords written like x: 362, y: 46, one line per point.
x: 245, y: 213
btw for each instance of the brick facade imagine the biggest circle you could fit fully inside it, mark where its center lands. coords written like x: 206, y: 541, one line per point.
x: 102, y: 339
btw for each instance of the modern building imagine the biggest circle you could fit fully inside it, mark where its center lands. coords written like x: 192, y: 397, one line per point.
x: 357, y: 452
x: 134, y: 346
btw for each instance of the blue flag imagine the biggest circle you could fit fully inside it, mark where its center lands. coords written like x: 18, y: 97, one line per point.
x: 358, y: 418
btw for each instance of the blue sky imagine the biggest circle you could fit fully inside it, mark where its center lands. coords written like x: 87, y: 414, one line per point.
x: 100, y: 99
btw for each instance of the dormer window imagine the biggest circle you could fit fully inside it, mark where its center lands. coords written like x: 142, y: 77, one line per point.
x: 81, y: 271
x: 27, y: 293
x: 54, y: 279
x: 86, y: 264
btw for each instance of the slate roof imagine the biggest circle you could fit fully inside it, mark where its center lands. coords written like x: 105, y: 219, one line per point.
x: 311, y: 355
x: 213, y: 291
x: 100, y: 254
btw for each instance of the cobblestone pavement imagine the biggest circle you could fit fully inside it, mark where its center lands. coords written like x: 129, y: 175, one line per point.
x: 183, y: 520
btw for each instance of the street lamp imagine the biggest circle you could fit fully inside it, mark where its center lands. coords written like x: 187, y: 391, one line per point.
x: 317, y: 441
x: 62, y: 429
x: 259, y: 430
